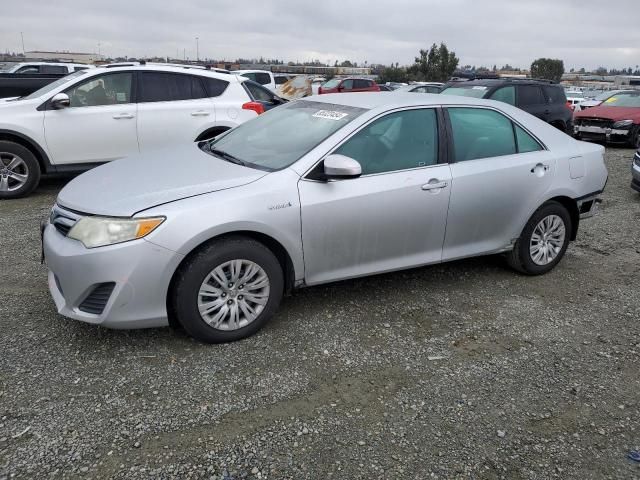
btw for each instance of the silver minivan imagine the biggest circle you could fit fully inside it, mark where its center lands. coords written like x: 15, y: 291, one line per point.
x: 211, y: 236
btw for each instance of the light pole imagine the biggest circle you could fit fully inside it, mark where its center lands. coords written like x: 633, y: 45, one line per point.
x: 22, y: 38
x: 197, y: 50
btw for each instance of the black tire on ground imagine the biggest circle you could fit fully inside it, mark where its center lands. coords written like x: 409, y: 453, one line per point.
x: 32, y: 169
x: 635, y: 138
x: 192, y: 273
x: 520, y: 257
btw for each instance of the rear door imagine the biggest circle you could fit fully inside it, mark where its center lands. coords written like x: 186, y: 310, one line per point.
x: 499, y: 173
x: 531, y: 99
x: 362, y: 85
x: 98, y: 126
x: 173, y: 108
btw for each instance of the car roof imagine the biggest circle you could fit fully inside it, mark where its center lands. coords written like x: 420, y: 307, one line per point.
x: 160, y: 67
x: 494, y: 82
x: 391, y: 100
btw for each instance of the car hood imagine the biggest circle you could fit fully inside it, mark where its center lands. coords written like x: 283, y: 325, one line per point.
x: 130, y: 185
x: 611, y: 113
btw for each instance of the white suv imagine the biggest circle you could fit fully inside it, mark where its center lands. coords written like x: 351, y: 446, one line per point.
x: 106, y: 113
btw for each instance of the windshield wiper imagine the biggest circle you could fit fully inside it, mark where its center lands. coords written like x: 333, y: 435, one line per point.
x: 226, y: 156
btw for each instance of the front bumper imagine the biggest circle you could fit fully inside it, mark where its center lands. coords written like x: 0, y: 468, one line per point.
x: 140, y: 270
x: 610, y: 135
x: 635, y: 173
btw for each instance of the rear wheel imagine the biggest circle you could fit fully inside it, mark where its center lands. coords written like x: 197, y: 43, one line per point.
x: 543, y: 241
x: 635, y: 138
x: 19, y: 170
x: 228, y: 291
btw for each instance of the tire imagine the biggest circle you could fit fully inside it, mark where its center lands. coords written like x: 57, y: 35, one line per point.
x: 254, y: 308
x: 635, y: 138
x: 19, y: 170
x: 521, y: 257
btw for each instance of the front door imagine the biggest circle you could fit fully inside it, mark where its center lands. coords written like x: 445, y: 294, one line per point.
x: 499, y: 176
x: 98, y: 126
x: 393, y: 216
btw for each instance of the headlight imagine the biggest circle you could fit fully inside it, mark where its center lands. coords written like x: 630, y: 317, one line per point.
x: 101, y: 231
x: 623, y: 123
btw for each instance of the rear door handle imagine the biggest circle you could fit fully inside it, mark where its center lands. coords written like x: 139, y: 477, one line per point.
x: 434, y: 184
x: 121, y: 116
x: 200, y: 113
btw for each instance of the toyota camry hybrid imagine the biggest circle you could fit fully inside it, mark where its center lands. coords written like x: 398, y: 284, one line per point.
x: 211, y: 235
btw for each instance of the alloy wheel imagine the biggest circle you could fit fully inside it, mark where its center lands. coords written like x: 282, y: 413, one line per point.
x: 14, y: 172
x: 547, y: 240
x: 233, y: 294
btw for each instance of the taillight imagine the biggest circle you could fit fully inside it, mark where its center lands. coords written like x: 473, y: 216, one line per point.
x: 255, y: 106
x: 569, y: 106
x: 319, y: 90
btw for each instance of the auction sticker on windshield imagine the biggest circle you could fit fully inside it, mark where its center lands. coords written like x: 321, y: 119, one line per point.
x: 330, y: 114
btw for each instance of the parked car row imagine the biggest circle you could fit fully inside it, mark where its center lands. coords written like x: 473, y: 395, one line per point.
x: 106, y: 113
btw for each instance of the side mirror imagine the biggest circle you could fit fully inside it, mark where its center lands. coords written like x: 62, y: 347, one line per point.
x: 341, y: 167
x: 60, y: 101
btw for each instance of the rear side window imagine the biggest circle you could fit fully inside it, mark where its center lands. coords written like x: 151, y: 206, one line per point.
x: 167, y: 87
x: 281, y: 80
x: 214, y: 86
x: 361, y: 84
x: 505, y: 94
x: 257, y: 92
x: 526, y: 143
x: 263, y: 78
x: 556, y: 94
x: 480, y: 133
x: 530, y: 95
x: 57, y: 69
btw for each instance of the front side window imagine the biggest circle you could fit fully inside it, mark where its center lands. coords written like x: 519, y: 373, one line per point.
x: 169, y: 87
x: 480, y: 133
x: 28, y: 69
x: 53, y: 69
x: 250, y: 76
x: 347, y: 85
x: 54, y: 85
x: 530, y: 95
x: 433, y: 89
x: 505, y: 94
x: 398, y: 141
x: 108, y: 89
x: 280, y: 137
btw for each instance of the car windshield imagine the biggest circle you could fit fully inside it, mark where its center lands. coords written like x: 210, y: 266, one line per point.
x: 603, y: 96
x: 280, y: 137
x: 476, y: 91
x: 624, y: 100
x: 53, y: 85
x: 331, y: 83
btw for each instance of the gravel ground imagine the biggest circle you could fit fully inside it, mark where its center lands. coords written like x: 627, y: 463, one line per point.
x: 464, y: 370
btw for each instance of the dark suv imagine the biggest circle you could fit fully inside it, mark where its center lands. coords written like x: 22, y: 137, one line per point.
x: 542, y: 98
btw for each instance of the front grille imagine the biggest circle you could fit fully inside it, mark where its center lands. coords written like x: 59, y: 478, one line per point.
x: 596, y: 122
x: 62, y: 219
x: 97, y: 299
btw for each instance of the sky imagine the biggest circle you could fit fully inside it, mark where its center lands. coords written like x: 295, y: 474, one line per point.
x: 583, y: 33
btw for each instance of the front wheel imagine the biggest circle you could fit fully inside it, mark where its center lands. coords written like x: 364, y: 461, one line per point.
x: 228, y: 290
x: 19, y: 170
x: 543, y: 241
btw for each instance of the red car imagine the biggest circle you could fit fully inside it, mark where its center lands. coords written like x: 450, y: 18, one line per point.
x: 616, y: 120
x: 347, y: 85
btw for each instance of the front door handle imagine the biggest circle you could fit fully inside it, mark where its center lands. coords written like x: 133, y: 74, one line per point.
x: 434, y: 184
x: 200, y: 113
x: 121, y: 116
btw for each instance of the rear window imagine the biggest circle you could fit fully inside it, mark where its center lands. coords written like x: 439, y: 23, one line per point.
x: 556, y: 94
x: 476, y: 91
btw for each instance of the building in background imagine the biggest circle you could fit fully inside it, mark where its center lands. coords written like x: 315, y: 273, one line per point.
x: 74, y: 57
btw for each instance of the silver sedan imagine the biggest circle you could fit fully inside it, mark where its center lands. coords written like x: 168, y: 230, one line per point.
x: 211, y: 236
